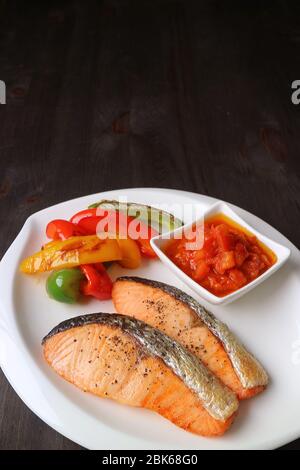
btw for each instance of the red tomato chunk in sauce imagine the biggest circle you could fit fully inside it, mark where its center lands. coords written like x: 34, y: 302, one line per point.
x: 229, y: 259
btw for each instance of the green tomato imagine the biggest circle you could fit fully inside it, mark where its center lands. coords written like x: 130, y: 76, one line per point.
x: 64, y: 285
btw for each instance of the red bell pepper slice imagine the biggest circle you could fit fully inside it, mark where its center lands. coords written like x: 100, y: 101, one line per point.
x: 62, y: 229
x: 89, y: 225
x: 146, y: 248
x: 98, y: 283
x: 83, y: 215
x: 89, y: 219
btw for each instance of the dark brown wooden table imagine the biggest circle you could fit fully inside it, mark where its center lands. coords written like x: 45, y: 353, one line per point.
x: 193, y: 95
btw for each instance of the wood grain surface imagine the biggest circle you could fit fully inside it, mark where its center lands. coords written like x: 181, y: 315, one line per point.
x: 192, y: 95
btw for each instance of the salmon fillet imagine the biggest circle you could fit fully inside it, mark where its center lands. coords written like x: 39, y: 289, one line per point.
x: 104, y: 360
x: 160, y: 306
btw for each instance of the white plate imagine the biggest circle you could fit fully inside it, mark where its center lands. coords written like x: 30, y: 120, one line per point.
x: 266, y: 319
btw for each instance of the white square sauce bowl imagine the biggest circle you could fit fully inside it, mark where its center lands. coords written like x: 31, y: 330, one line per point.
x: 160, y: 242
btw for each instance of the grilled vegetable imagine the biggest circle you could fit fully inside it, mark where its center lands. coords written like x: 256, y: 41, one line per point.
x: 64, y: 285
x: 118, y: 224
x: 161, y: 221
x: 62, y: 229
x: 124, y: 359
x: 72, y: 252
x: 131, y: 256
x: 180, y: 316
x: 98, y: 283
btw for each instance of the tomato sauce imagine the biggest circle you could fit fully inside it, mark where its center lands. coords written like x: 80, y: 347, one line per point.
x: 230, y: 257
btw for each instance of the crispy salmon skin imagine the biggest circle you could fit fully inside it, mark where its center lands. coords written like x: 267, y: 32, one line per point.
x: 181, y: 317
x: 124, y: 359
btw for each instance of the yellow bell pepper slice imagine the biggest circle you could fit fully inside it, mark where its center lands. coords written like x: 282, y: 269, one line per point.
x: 72, y: 252
x: 131, y: 255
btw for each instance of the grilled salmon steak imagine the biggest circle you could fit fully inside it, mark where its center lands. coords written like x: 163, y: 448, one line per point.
x: 125, y: 359
x: 182, y: 318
